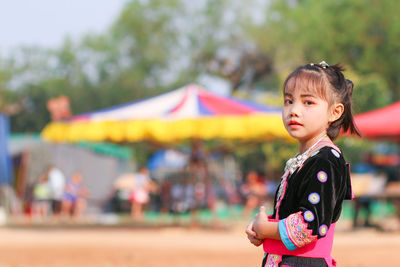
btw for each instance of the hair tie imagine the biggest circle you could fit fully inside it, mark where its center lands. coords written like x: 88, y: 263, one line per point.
x: 323, y: 64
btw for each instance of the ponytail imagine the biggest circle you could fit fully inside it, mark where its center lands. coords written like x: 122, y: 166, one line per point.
x: 343, y: 89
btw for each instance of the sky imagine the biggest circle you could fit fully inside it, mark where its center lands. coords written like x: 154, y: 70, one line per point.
x: 47, y: 22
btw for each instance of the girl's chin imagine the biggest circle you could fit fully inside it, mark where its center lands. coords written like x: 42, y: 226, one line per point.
x: 295, y: 134
x: 300, y: 137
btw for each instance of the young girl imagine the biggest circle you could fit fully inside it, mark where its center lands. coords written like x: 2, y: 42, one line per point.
x: 308, y: 202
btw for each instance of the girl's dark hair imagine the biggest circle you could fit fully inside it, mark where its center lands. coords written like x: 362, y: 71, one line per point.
x: 320, y: 78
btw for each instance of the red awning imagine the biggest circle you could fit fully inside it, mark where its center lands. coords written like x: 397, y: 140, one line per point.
x: 382, y: 123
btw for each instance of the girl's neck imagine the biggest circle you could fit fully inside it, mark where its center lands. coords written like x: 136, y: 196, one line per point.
x: 305, y: 145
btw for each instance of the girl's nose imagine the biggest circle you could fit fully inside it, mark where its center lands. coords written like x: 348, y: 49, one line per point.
x: 294, y: 111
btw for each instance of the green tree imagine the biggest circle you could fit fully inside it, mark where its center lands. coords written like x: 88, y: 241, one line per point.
x: 371, y: 93
x: 360, y: 34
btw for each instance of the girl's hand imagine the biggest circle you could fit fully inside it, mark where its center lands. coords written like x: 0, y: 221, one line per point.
x: 264, y: 228
x: 251, y: 235
x: 260, y: 222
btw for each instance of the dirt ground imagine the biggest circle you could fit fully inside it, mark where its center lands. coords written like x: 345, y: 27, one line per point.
x: 176, y: 247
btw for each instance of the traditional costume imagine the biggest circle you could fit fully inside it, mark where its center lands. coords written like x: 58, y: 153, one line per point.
x: 307, y: 205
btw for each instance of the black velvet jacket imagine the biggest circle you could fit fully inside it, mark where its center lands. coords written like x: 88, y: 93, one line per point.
x: 307, y: 184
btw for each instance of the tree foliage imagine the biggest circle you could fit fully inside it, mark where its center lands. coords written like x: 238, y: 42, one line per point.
x: 364, y: 35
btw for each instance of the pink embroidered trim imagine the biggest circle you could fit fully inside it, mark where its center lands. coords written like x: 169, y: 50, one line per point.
x: 278, y: 201
x: 273, y: 260
x: 297, y: 230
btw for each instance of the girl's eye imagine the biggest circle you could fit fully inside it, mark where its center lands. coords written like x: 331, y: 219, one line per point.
x: 288, y: 102
x: 309, y: 102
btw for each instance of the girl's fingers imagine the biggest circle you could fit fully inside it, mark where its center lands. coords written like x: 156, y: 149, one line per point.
x: 255, y: 241
x: 250, y: 232
x: 251, y: 235
x: 249, y: 229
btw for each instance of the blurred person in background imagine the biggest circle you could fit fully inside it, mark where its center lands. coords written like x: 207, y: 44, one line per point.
x: 166, y: 196
x: 364, y: 202
x: 56, y: 181
x: 140, y: 194
x: 199, y: 172
x: 178, y: 196
x: 254, y: 192
x: 389, y: 164
x: 74, y: 199
x: 41, y: 198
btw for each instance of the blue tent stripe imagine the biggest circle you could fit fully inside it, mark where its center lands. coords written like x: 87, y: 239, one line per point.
x: 202, y: 108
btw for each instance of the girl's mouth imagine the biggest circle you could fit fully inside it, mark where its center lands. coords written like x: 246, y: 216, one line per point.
x: 294, y: 123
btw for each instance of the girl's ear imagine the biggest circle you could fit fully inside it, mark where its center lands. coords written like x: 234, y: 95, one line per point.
x: 337, y: 111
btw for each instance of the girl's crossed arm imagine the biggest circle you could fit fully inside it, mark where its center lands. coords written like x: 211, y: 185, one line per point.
x: 260, y: 228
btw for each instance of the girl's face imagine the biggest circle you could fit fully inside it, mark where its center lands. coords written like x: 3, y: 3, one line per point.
x: 306, y: 115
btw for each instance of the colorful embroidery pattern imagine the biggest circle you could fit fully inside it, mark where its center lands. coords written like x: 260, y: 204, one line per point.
x: 308, y: 216
x: 313, y: 198
x: 323, y: 229
x: 273, y: 260
x: 322, y: 176
x: 334, y: 152
x: 297, y: 230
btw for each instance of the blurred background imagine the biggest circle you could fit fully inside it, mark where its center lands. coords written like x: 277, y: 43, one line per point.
x: 130, y: 129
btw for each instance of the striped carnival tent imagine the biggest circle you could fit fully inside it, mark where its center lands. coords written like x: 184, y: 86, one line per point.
x: 185, y: 113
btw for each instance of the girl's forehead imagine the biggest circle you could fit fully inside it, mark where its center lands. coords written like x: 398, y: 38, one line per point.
x: 305, y: 86
x: 302, y: 90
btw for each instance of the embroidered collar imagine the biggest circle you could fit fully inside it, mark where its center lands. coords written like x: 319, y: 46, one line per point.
x: 293, y: 163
